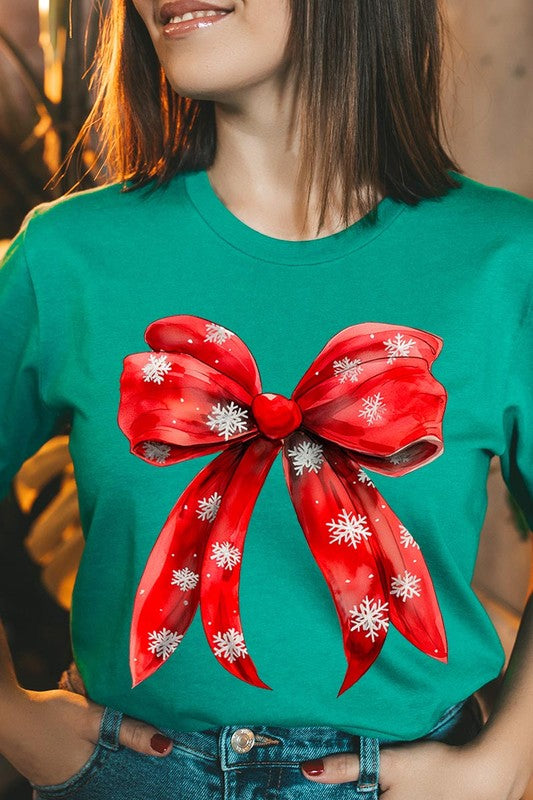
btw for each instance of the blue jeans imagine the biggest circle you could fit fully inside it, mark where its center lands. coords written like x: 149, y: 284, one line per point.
x: 239, y: 763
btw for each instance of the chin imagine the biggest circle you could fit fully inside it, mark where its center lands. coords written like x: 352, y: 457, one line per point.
x: 195, y: 92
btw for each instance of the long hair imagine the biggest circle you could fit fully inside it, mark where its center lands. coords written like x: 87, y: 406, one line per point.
x: 368, y: 78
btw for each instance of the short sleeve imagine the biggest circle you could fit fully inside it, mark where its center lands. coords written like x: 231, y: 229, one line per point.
x: 26, y: 422
x: 517, y: 459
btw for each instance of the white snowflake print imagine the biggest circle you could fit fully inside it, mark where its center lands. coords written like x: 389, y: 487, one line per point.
x: 156, y: 451
x: 364, y: 478
x: 401, y: 458
x: 209, y: 508
x: 156, y: 368
x: 308, y: 455
x: 398, y: 347
x: 348, y: 528
x: 227, y: 419
x: 185, y: 578
x: 230, y: 644
x: 216, y: 333
x: 405, y: 586
x: 164, y: 642
x: 226, y: 554
x: 347, y: 369
x: 373, y: 408
x: 406, y: 538
x: 370, y: 616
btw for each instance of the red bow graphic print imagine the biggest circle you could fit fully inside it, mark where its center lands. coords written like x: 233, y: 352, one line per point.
x: 367, y: 400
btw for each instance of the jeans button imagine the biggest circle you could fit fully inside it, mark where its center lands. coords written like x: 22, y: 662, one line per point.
x: 242, y: 740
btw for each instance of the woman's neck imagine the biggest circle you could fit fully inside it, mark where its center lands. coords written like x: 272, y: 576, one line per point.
x: 255, y: 172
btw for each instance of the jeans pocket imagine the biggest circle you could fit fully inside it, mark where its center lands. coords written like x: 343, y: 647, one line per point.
x: 107, y: 745
x: 76, y: 781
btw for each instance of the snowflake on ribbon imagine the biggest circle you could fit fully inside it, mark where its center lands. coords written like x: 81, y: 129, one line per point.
x: 226, y: 554
x: 217, y: 333
x: 405, y: 586
x: 185, y: 578
x: 370, y: 616
x: 164, y: 642
x: 209, y: 508
x: 307, y: 454
x: 401, y: 458
x: 227, y: 419
x: 398, y: 347
x: 156, y: 368
x: 348, y: 528
x: 364, y: 478
x: 156, y: 451
x: 230, y: 644
x: 347, y: 369
x: 406, y: 538
x: 373, y: 408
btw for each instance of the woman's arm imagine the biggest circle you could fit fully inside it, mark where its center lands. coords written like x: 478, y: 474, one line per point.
x: 496, y: 765
x: 9, y: 687
x: 508, y: 733
x: 48, y: 736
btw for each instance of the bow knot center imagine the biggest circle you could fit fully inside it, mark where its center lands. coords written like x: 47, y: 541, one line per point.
x: 276, y: 416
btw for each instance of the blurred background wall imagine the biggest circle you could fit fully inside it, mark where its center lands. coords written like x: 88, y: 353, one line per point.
x: 487, y: 97
x: 492, y: 55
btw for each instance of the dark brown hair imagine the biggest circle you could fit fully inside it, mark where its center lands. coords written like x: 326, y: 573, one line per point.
x: 368, y: 74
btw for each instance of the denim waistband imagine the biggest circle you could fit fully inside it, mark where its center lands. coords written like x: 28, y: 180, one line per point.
x: 271, y: 743
x: 233, y: 748
x: 267, y: 743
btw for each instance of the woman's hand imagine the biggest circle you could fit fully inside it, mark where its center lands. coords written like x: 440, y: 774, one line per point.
x: 48, y: 736
x: 430, y: 769
x: 496, y: 765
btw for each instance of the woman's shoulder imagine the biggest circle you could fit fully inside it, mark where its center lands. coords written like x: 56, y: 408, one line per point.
x: 109, y: 208
x: 487, y: 224
x: 497, y: 224
x: 81, y: 207
x: 61, y: 238
x: 492, y: 205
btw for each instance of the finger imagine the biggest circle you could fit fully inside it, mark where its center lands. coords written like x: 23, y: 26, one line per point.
x: 337, y: 768
x: 143, y: 738
x: 390, y: 762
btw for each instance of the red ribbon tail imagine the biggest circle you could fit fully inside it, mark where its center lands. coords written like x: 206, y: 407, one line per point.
x: 222, y: 560
x: 336, y: 530
x: 169, y: 590
x: 413, y: 604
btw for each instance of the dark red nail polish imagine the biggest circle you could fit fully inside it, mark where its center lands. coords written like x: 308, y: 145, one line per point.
x: 313, y: 767
x: 160, y: 743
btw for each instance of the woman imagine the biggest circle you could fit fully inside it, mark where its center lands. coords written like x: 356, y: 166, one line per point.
x: 292, y: 220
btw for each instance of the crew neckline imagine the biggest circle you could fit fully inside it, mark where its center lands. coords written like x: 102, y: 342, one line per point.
x: 260, y: 246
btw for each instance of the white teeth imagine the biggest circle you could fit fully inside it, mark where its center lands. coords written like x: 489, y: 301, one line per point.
x: 196, y: 15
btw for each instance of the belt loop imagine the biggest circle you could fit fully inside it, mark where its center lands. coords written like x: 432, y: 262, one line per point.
x: 368, y: 764
x: 110, y: 728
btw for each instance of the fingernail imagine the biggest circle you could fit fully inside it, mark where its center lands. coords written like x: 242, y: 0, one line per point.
x: 160, y: 743
x: 313, y: 767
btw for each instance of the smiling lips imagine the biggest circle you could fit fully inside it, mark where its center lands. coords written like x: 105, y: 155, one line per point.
x: 187, y: 10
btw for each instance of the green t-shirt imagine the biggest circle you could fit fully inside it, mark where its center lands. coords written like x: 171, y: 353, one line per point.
x: 78, y: 287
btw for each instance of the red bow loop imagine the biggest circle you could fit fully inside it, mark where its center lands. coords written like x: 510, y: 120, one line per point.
x: 349, y: 352
x: 194, y: 398
x: 371, y: 391
x: 217, y: 346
